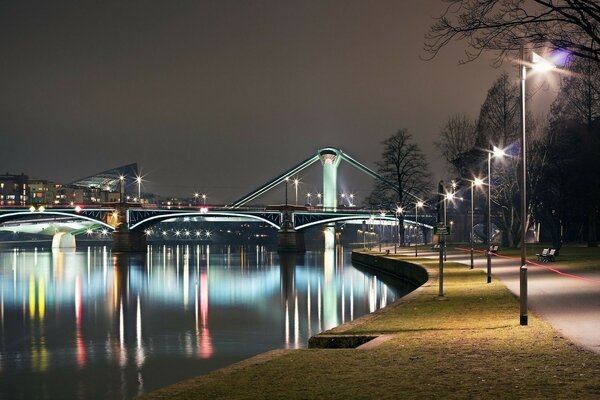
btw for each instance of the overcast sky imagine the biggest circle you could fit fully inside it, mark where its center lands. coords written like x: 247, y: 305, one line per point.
x: 221, y: 96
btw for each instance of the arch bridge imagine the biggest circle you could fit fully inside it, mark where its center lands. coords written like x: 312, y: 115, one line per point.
x: 129, y: 221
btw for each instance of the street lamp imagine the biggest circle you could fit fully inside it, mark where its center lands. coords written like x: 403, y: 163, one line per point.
x: 351, y: 199
x: 308, y: 198
x: 196, y: 195
x: 319, y: 199
x: 122, y: 187
x: 203, y: 199
x: 343, y: 196
x: 296, y: 182
x: 138, y: 179
x: 417, y: 205
x: 398, y: 211
x: 539, y: 64
x: 475, y: 182
x: 498, y: 153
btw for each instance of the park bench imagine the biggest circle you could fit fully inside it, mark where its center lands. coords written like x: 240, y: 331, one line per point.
x: 546, y: 255
x: 494, y: 249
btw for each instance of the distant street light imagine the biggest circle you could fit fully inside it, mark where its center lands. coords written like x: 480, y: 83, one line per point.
x: 498, y: 153
x: 475, y: 182
x: 417, y: 205
x: 296, y: 182
x: 138, y: 179
x: 319, y: 199
x: 204, y: 199
x: 308, y: 199
x: 538, y: 64
x: 351, y: 199
x: 122, y: 188
x: 398, y: 211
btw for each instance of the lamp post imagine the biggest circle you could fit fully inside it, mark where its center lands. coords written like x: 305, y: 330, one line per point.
x: 196, y: 195
x: 448, y: 197
x: 417, y: 205
x: 308, y: 198
x: 495, y: 152
x: 398, y: 211
x: 319, y: 199
x: 538, y: 64
x: 122, y: 188
x: 296, y: 182
x: 203, y: 199
x: 138, y: 179
x: 474, y: 182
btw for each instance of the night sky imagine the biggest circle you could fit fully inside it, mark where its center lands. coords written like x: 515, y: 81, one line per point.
x: 221, y: 96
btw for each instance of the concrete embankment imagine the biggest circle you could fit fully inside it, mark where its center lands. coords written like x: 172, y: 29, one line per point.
x: 414, y: 273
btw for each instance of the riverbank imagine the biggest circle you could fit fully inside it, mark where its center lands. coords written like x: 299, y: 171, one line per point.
x: 467, y: 346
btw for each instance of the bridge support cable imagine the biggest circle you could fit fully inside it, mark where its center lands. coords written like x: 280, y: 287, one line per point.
x: 274, y: 182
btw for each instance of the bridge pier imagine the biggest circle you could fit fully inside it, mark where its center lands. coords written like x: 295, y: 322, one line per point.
x: 125, y: 240
x: 288, y: 239
x: 63, y: 240
x: 129, y: 242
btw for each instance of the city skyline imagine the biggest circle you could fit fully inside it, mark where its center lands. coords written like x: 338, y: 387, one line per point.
x: 181, y: 88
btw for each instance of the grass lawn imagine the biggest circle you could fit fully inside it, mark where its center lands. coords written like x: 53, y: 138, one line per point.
x: 467, y: 346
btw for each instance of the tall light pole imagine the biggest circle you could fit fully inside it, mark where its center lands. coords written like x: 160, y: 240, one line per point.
x: 138, y: 179
x: 538, y: 64
x: 495, y: 152
x: 351, y: 199
x: 296, y: 182
x: 204, y: 199
x: 398, y: 211
x: 319, y: 198
x: 417, y: 205
x: 475, y: 182
x: 122, y: 188
x: 196, y: 195
x: 308, y: 198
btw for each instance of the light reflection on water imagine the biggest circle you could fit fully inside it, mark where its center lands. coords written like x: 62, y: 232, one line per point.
x: 91, y: 324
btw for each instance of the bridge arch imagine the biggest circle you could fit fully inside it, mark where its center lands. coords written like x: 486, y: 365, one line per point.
x: 15, y: 216
x: 155, y: 219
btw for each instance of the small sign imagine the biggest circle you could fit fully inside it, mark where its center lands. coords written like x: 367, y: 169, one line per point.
x: 441, y: 230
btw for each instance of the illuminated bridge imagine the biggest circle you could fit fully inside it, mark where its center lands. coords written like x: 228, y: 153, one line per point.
x: 130, y: 221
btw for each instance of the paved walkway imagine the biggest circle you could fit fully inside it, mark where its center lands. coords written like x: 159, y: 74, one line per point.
x: 567, y: 298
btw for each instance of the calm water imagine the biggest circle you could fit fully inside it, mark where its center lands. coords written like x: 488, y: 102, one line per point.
x: 87, y: 324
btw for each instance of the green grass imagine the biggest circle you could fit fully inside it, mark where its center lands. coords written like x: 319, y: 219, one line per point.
x: 467, y: 346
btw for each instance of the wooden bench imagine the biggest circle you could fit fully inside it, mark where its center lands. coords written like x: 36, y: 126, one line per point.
x: 494, y: 249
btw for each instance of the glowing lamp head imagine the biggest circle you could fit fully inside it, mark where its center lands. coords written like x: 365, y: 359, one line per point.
x: 497, y: 152
x: 419, y: 204
x: 540, y: 64
x: 478, y: 181
x: 78, y: 209
x: 32, y: 208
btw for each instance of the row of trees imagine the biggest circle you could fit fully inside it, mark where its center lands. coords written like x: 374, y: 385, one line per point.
x: 562, y: 181
x: 563, y: 185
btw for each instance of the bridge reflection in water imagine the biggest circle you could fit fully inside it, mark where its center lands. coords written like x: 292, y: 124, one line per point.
x: 89, y: 324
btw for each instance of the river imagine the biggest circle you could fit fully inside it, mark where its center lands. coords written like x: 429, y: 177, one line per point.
x: 88, y: 324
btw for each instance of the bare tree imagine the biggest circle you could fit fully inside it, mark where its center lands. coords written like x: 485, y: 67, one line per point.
x: 404, y: 167
x: 502, y: 26
x: 498, y: 122
x: 457, y: 137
